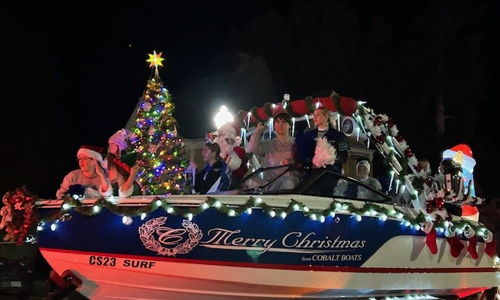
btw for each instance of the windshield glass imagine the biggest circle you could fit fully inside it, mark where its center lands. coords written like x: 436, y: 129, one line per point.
x: 271, y: 179
x: 314, y: 182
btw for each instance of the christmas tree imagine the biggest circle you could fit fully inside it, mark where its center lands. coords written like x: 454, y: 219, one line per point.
x: 154, y: 137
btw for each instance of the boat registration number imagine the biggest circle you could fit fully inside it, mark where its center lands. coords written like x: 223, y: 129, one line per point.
x: 102, y: 261
x: 107, y: 261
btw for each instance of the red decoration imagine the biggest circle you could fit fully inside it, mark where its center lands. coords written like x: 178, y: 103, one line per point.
x: 408, y: 152
x: 380, y: 139
x: 430, y: 241
x: 491, y: 248
x: 17, y: 214
x: 429, y: 182
x: 465, y: 149
x: 471, y: 247
x: 390, y: 123
x: 299, y: 107
x: 428, y: 207
x: 456, y: 245
x: 434, y: 204
x: 377, y: 121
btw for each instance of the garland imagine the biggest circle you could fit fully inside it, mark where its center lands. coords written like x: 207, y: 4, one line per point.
x: 397, y: 153
x: 253, y: 110
x: 451, y: 229
x: 17, y: 215
x: 336, y: 101
x: 288, y: 108
x: 309, y: 103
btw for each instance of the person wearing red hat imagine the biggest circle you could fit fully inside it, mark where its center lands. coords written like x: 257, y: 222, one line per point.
x: 90, y: 179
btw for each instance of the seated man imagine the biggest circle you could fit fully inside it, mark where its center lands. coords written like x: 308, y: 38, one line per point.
x: 214, y: 175
x: 90, y: 180
x: 362, y: 174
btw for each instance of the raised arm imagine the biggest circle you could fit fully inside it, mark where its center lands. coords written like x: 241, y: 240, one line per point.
x: 105, y: 189
x: 254, y: 144
x: 127, y: 188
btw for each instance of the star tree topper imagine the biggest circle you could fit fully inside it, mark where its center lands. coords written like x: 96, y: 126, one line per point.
x: 155, y: 60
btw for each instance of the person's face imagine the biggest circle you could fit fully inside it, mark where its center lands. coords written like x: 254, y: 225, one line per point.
x: 113, y: 149
x: 424, y: 165
x: 362, y: 172
x: 86, y: 164
x: 281, y: 126
x: 319, y: 118
x: 207, y: 154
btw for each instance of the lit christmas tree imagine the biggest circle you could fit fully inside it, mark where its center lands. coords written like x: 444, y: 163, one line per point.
x: 154, y: 138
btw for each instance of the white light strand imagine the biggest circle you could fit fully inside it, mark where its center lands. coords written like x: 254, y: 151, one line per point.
x: 307, y: 120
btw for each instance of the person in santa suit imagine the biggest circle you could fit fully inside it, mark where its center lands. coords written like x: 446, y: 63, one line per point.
x: 90, y: 179
x: 233, y: 155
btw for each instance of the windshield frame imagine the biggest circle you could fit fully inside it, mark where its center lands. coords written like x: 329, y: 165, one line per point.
x: 302, y: 186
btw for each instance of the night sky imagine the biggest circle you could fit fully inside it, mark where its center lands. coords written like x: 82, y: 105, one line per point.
x: 73, y: 76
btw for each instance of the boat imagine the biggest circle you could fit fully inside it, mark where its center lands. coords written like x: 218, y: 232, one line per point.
x: 259, y: 243
x: 325, y: 236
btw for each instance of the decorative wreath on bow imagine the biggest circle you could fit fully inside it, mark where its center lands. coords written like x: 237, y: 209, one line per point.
x: 16, y: 215
x: 147, y: 230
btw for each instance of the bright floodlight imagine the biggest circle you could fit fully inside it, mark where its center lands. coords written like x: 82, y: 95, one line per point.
x: 223, y: 116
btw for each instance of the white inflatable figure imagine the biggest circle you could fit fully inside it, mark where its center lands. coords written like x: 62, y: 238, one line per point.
x: 466, y: 194
x: 462, y: 155
x: 231, y: 152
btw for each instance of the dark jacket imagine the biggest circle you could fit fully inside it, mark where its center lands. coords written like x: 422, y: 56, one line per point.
x: 306, y: 147
x: 209, y: 176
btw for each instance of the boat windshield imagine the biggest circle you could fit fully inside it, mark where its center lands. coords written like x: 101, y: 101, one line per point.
x: 314, y: 182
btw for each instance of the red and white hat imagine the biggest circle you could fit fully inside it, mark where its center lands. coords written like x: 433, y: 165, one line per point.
x: 90, y: 151
x: 461, y: 154
x: 120, y: 138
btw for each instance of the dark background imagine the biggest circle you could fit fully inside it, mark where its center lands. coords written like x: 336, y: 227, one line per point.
x: 73, y: 76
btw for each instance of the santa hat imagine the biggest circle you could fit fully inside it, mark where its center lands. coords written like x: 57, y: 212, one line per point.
x: 90, y: 151
x: 119, y: 138
x: 461, y: 154
x: 126, y: 161
x: 363, y: 163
